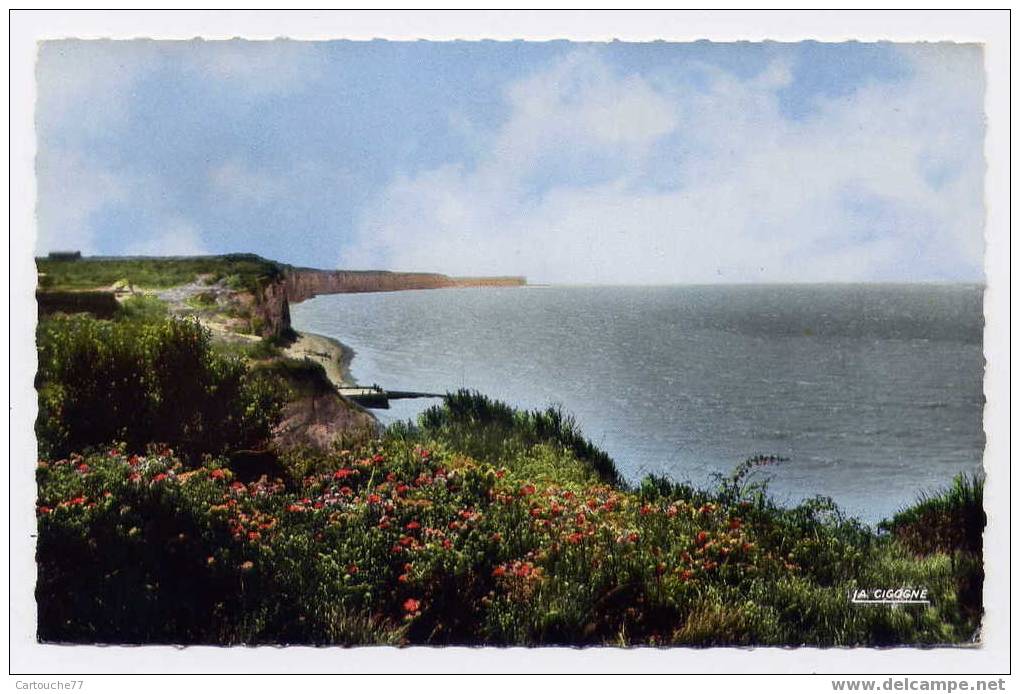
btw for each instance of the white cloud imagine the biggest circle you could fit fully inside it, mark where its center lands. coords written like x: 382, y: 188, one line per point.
x: 847, y: 194
x: 240, y: 183
x: 177, y: 237
x: 85, y: 86
x: 75, y: 189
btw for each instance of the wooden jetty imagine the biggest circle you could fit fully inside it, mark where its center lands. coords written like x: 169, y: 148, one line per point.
x: 377, y: 398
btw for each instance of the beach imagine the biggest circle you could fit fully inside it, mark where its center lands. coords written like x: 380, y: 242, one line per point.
x: 334, y: 356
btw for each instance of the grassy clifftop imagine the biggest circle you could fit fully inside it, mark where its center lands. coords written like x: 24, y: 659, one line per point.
x: 241, y: 270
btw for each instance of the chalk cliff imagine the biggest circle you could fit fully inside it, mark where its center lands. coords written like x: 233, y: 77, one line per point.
x: 299, y: 284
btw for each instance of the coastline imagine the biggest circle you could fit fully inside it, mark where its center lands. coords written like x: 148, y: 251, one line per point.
x: 335, y: 356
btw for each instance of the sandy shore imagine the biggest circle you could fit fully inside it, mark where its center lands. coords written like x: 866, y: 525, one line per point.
x: 334, y: 356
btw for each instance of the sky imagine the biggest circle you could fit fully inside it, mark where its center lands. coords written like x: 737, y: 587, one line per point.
x: 608, y: 163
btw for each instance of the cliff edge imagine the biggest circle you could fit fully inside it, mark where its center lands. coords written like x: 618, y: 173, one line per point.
x: 300, y: 284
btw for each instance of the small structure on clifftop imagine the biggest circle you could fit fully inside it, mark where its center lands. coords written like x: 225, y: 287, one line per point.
x: 64, y: 255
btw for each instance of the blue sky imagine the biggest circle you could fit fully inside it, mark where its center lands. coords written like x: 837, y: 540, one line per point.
x: 567, y: 162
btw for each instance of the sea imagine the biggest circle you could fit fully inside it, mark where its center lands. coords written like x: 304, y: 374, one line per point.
x: 873, y: 393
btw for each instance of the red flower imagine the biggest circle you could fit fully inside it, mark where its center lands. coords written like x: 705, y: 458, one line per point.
x: 378, y: 458
x: 160, y: 477
x: 374, y: 499
x: 735, y: 523
x: 254, y: 536
x: 702, y: 537
x: 43, y: 510
x: 499, y: 571
x: 343, y: 473
x: 402, y: 578
x: 218, y: 474
x: 646, y: 509
x: 527, y: 490
x: 83, y: 468
x: 352, y: 569
x: 411, y: 605
x: 575, y: 538
x: 413, y: 525
x: 296, y: 508
x: 633, y: 537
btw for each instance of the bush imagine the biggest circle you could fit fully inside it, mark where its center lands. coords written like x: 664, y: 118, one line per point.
x: 948, y: 520
x: 401, y: 542
x: 488, y: 429
x: 139, y: 382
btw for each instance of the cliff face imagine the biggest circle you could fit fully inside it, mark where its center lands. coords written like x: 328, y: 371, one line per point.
x: 299, y: 284
x: 272, y: 309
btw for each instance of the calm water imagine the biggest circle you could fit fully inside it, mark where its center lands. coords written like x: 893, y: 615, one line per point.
x: 874, y: 392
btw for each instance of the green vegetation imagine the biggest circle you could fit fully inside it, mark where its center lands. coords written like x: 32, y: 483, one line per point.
x: 141, y: 308
x: 943, y: 521
x: 492, y: 430
x: 203, y: 301
x: 102, y: 304
x: 139, y: 380
x: 411, y: 541
x: 241, y: 270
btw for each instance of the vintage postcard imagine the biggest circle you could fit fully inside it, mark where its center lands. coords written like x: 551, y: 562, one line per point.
x: 367, y: 342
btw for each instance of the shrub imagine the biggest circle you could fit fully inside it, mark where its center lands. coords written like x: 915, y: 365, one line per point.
x: 399, y: 542
x: 139, y: 382
x: 489, y: 429
x: 948, y: 520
